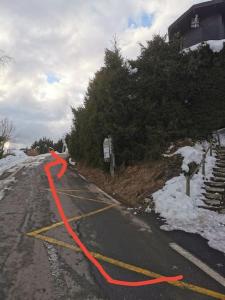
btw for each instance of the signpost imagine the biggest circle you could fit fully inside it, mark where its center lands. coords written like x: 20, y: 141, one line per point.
x: 106, y: 150
x: 109, y: 154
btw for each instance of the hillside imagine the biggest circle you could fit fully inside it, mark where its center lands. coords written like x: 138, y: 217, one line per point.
x: 145, y: 104
x: 160, y: 188
x: 134, y: 183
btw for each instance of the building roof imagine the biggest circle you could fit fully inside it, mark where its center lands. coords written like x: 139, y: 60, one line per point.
x: 182, y: 24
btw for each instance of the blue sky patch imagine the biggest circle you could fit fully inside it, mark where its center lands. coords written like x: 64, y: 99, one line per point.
x: 51, y: 78
x: 132, y: 23
x: 144, y: 20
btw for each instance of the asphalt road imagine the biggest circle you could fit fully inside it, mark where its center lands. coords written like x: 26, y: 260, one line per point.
x: 43, y: 263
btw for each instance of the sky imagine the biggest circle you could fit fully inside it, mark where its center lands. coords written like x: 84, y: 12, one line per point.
x: 56, y: 46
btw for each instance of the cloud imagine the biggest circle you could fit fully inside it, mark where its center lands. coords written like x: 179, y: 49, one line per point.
x: 58, y: 45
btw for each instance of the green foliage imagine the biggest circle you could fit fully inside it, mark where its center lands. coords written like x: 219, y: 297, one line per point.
x: 144, y: 104
x: 58, y: 146
x: 43, y: 145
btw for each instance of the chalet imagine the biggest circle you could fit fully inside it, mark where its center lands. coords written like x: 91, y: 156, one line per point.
x: 201, y: 23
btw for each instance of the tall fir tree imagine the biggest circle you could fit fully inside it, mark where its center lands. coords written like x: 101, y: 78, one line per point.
x: 162, y: 96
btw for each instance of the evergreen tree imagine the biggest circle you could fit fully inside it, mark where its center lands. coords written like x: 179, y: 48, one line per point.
x: 162, y: 96
x: 106, y: 112
x: 58, y: 146
x: 43, y: 145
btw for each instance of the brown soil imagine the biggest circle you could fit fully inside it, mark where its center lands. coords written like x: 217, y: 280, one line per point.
x: 132, y: 185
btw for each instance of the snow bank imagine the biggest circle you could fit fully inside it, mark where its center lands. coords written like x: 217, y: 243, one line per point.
x: 20, y: 159
x: 215, y: 45
x: 182, y: 212
x: 12, y: 160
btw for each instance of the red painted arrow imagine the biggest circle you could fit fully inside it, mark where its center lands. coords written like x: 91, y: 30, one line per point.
x: 60, y: 161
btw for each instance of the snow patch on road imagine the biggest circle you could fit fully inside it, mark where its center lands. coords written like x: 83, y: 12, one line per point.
x: 19, y: 159
x: 5, y: 185
x: 53, y: 260
x: 14, y: 163
x: 182, y: 212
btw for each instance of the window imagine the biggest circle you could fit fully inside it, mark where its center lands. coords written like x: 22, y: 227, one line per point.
x: 195, y: 22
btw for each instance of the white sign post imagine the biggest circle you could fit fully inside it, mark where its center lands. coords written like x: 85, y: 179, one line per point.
x: 106, y: 150
x: 109, y: 154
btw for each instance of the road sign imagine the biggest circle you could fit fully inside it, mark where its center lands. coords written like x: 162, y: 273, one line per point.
x: 107, y: 147
x: 109, y: 154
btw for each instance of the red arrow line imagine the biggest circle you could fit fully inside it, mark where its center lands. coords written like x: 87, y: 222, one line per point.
x: 60, y: 161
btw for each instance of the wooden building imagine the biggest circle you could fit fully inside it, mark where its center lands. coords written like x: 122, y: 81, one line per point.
x: 201, y: 23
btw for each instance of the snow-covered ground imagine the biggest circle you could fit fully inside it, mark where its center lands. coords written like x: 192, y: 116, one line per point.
x: 13, y: 163
x: 182, y: 212
x: 12, y: 160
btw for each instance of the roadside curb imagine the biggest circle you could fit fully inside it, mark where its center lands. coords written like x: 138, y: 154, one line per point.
x: 100, y: 190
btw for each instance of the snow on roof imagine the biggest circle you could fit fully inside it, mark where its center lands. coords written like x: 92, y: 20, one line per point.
x: 215, y: 45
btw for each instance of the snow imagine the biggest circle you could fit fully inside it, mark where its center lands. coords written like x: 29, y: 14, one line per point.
x: 53, y: 260
x: 132, y: 70
x: 190, y: 154
x: 19, y: 159
x: 182, y: 212
x: 12, y: 160
x: 2, y: 194
x: 71, y: 162
x: 215, y: 45
x: 13, y: 163
x: 148, y: 210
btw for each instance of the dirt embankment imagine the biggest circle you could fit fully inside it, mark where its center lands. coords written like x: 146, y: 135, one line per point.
x: 133, y: 184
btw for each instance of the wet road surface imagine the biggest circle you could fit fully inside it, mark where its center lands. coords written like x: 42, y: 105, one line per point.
x: 39, y: 260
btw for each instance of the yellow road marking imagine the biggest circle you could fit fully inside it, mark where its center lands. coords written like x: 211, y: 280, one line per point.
x: 54, y: 241
x: 115, y: 262
x: 67, y: 190
x: 41, y: 230
x: 80, y: 197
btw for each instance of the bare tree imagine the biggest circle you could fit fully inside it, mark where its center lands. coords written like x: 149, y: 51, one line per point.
x: 6, y: 129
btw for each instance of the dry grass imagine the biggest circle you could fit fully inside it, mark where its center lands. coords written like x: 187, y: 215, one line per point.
x: 135, y: 183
